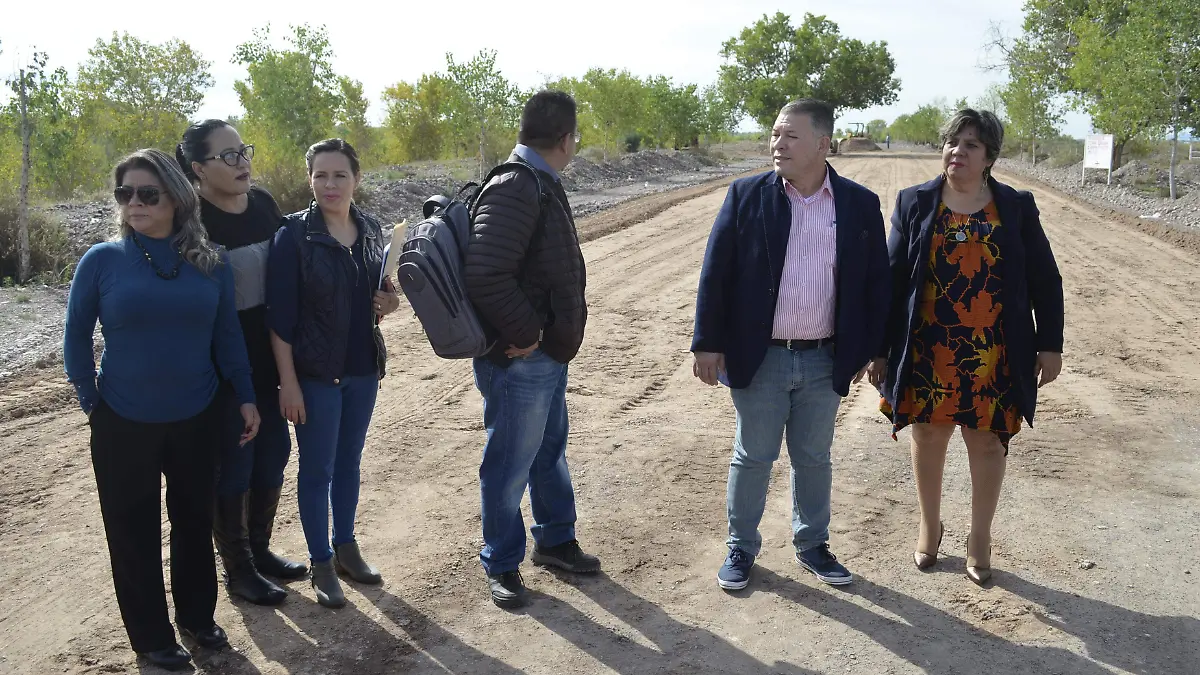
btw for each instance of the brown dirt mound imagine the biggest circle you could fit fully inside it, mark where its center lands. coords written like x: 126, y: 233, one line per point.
x: 858, y: 145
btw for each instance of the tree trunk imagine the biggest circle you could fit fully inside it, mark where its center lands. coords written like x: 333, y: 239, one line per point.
x: 1174, y: 149
x: 482, y: 137
x: 1033, y: 150
x: 23, y: 258
x: 1118, y: 151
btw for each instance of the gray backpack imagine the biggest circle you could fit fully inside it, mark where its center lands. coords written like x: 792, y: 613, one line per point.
x: 430, y: 270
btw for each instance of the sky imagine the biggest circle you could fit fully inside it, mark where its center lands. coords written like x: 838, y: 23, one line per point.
x: 937, y: 45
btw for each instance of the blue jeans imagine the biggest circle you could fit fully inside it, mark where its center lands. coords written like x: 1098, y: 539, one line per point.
x: 260, y: 463
x: 792, y: 392
x: 525, y: 413
x: 330, y: 445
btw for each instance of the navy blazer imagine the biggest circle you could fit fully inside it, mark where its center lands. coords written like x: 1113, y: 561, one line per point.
x: 1031, y: 286
x: 739, y: 283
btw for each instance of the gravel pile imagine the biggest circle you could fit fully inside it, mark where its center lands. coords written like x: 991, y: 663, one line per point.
x: 1134, y: 189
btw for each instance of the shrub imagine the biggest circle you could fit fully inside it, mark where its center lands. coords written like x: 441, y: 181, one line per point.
x: 632, y: 142
x: 287, y: 183
x: 592, y: 154
x: 50, y: 250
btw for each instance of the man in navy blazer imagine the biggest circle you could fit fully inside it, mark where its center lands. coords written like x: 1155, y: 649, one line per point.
x: 791, y: 309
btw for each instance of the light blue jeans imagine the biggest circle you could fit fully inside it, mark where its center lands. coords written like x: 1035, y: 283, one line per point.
x: 792, y: 392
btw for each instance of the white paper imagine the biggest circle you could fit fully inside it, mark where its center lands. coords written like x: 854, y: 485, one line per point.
x: 392, y: 255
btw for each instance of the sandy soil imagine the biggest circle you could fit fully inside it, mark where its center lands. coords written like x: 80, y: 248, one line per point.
x: 1109, y: 475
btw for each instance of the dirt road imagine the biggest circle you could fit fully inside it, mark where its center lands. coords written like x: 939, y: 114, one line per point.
x: 1110, y: 475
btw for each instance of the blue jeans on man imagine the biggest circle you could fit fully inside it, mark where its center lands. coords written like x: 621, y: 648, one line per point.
x: 329, y: 446
x: 792, y: 397
x: 525, y: 414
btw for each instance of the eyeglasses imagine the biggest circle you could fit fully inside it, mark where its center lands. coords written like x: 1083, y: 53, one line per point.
x: 230, y: 157
x: 574, y: 134
x: 146, y: 194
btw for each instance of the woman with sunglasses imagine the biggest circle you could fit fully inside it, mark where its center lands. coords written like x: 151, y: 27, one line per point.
x: 164, y: 298
x: 325, y: 297
x: 243, y: 219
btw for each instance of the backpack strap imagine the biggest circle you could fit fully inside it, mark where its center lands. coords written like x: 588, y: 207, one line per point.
x: 520, y: 164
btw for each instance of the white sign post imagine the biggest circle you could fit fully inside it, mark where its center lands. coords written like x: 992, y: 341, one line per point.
x: 1097, y: 154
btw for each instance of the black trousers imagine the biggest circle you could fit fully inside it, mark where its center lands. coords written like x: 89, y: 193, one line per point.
x: 129, y: 458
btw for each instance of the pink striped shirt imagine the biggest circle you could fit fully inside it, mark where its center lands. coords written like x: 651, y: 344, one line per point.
x: 808, y: 289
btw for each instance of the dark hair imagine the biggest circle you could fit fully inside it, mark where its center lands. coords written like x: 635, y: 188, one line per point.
x: 548, y: 116
x: 988, y: 127
x: 332, y: 145
x: 194, y: 147
x: 820, y: 112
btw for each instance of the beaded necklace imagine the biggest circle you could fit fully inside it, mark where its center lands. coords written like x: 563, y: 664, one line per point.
x: 158, y: 270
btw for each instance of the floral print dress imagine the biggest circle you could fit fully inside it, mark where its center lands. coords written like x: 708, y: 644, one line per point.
x: 960, y: 372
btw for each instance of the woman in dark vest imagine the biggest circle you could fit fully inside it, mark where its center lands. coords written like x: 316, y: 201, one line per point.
x: 976, y: 317
x: 244, y: 219
x: 164, y: 298
x: 325, y: 298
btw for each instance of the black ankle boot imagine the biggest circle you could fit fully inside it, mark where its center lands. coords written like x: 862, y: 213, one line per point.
x: 241, y: 577
x: 263, y: 504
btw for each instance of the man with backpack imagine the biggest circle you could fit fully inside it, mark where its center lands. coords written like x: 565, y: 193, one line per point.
x: 524, y: 274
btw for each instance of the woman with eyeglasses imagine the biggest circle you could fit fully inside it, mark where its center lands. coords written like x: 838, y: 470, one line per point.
x: 164, y: 297
x: 325, y: 296
x: 243, y: 219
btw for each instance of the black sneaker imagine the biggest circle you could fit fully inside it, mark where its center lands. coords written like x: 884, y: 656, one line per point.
x: 567, y: 557
x: 508, y: 589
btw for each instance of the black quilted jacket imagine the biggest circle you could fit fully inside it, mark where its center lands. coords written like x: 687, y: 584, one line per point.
x: 527, y: 282
x: 327, y: 272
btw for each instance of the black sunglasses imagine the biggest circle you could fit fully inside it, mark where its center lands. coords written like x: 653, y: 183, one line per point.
x: 230, y: 157
x: 146, y: 194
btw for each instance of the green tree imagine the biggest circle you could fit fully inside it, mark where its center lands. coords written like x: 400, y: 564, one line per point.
x: 877, y: 130
x: 139, y: 94
x: 485, y: 101
x: 292, y: 99
x: 290, y: 95
x: 922, y: 126
x: 1048, y: 54
x: 771, y: 63
x: 1146, y: 72
x: 992, y: 99
x: 617, y: 102
x: 1033, y: 111
x: 418, y: 118
x: 60, y: 157
x: 674, y: 113
x: 718, y: 116
x: 351, y: 120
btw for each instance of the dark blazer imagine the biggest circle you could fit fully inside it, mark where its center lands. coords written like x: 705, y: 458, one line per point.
x: 739, y: 283
x: 1031, y: 286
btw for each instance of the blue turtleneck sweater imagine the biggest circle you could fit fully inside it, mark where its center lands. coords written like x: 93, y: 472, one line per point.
x: 164, y: 340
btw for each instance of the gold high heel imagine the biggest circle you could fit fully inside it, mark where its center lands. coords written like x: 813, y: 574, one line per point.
x: 978, y: 573
x: 927, y: 560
